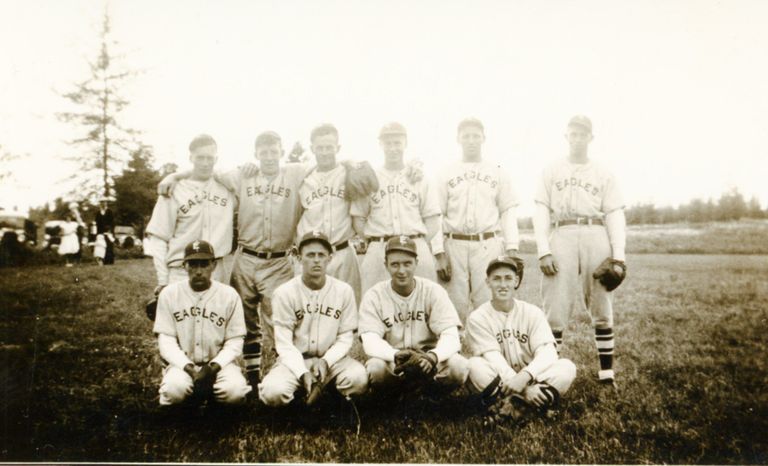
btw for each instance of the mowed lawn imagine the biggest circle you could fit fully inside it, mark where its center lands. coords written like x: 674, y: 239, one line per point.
x: 80, y: 375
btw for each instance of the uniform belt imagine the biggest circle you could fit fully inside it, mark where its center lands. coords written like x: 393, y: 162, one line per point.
x: 265, y: 254
x: 475, y: 237
x: 372, y: 239
x: 579, y: 221
x: 340, y: 246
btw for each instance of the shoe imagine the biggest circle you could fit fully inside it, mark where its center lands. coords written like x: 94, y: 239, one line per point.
x: 606, y: 376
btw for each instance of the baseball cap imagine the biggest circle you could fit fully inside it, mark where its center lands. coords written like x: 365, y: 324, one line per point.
x: 267, y: 138
x: 467, y: 122
x: 502, y: 261
x: 392, y: 129
x: 401, y: 243
x: 581, y: 120
x: 199, y: 250
x: 317, y: 237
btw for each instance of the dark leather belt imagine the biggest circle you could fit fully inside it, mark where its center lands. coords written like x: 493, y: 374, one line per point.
x: 387, y: 238
x: 579, y: 221
x: 475, y: 237
x: 340, y: 246
x: 265, y: 254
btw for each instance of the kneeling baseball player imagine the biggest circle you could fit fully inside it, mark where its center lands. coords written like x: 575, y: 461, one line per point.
x: 515, y: 357
x: 409, y: 327
x: 200, y: 330
x: 315, y: 317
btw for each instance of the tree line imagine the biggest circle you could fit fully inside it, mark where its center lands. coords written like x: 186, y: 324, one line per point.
x: 730, y: 206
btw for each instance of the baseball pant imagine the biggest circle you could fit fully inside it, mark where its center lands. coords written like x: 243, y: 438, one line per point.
x: 177, y: 385
x: 578, y: 250
x: 249, y: 272
x: 452, y: 371
x: 559, y: 375
x: 373, y: 270
x: 344, y: 266
x: 469, y: 259
x: 280, y: 385
x: 178, y: 274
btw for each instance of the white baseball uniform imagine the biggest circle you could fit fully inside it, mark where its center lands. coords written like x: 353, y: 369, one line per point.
x: 207, y: 326
x: 418, y: 321
x: 523, y: 337
x: 268, y: 212
x: 311, y: 324
x: 478, y: 204
x: 197, y: 210
x: 398, y: 207
x: 327, y: 211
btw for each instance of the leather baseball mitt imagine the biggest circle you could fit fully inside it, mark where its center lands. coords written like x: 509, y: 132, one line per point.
x: 151, y: 308
x: 360, y: 180
x: 610, y: 273
x: 519, y: 267
x: 408, y: 361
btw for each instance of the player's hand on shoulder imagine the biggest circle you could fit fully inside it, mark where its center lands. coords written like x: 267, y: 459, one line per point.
x: 414, y: 170
x: 166, y: 186
x: 249, y: 170
x: 443, y: 265
x: 548, y: 265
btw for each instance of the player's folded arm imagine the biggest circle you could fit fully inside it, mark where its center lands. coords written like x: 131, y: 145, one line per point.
x: 289, y: 355
x: 448, y: 344
x: 376, y: 347
x: 231, y: 349
x: 339, y: 348
x: 171, y: 352
x: 544, y: 356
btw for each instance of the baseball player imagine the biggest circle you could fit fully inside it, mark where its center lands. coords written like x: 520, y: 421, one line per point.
x: 479, y: 219
x: 199, y: 208
x: 399, y: 207
x: 409, y: 312
x: 200, y: 330
x: 327, y: 210
x: 511, y: 339
x: 315, y: 317
x: 579, y: 222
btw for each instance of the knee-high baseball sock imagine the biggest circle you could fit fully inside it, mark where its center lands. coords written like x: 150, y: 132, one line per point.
x: 252, y: 356
x: 558, y: 339
x: 604, y: 341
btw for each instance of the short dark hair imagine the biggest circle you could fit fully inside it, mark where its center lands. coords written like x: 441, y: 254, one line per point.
x: 322, y: 130
x: 267, y: 138
x: 201, y: 140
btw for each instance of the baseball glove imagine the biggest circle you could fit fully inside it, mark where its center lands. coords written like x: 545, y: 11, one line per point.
x: 500, y: 409
x: 360, y: 180
x: 610, y: 273
x: 414, y: 362
x: 204, y: 380
x: 519, y: 267
x: 151, y: 308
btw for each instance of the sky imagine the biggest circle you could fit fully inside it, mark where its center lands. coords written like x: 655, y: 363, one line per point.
x: 677, y: 89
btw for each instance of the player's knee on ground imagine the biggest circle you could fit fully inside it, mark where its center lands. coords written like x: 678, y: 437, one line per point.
x: 454, y: 371
x: 175, y: 387
x: 353, y: 380
x: 231, y: 387
x: 481, y: 374
x: 378, y: 371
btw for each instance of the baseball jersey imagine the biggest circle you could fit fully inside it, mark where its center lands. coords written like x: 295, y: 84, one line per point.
x: 398, y: 207
x: 578, y: 190
x: 197, y: 210
x: 269, y: 207
x: 325, y: 209
x: 201, y: 321
x: 473, y: 196
x: 516, y: 334
x: 316, y: 317
x: 414, y: 321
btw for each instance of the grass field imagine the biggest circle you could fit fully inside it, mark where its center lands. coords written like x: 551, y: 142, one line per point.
x: 80, y: 373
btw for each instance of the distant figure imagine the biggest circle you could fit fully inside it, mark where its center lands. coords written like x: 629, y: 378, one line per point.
x: 70, y: 245
x: 105, y: 234
x: 80, y: 230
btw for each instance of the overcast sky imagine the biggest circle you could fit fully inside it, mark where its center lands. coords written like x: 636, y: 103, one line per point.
x: 677, y: 90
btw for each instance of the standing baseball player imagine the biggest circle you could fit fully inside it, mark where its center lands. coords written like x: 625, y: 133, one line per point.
x: 401, y: 206
x: 579, y: 222
x: 315, y: 317
x: 200, y: 330
x: 408, y: 326
x: 198, y: 208
x: 479, y: 219
x: 511, y: 339
x: 326, y: 208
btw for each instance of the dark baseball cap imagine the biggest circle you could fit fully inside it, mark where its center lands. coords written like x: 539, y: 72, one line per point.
x: 199, y: 250
x: 502, y: 261
x: 318, y: 237
x: 392, y: 129
x: 581, y: 120
x: 401, y: 243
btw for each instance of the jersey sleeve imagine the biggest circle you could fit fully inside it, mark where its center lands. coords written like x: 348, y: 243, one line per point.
x: 429, y: 204
x: 612, y: 198
x: 232, y: 180
x: 443, y: 314
x: 163, y: 221
x: 540, y: 332
x: 282, y: 313
x: 360, y: 207
x: 236, y: 321
x: 349, y: 311
x: 164, y: 321
x: 506, y: 197
x: 480, y: 335
x: 370, y: 314
x: 543, y: 190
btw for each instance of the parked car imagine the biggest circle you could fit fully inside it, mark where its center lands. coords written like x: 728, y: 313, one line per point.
x: 19, y: 225
x: 125, y: 237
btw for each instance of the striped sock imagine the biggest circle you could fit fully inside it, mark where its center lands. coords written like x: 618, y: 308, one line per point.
x: 558, y: 339
x: 604, y: 341
x: 252, y: 356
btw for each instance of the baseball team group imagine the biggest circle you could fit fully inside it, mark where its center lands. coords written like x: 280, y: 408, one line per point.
x: 433, y: 299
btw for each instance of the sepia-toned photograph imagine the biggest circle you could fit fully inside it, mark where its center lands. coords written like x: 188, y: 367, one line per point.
x: 417, y: 232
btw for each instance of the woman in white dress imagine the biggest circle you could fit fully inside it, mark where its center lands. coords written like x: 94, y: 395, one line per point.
x: 70, y: 245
